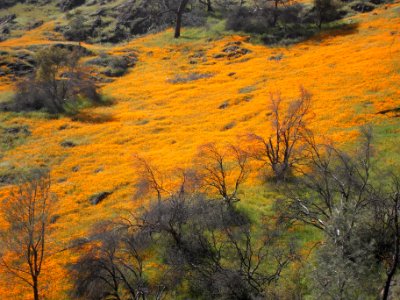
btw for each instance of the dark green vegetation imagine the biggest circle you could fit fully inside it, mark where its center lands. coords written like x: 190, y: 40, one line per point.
x: 113, y: 66
x: 272, y: 21
x: 195, y: 241
x: 57, y: 85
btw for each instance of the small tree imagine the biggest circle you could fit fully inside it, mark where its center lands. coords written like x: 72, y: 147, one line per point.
x: 222, y: 170
x: 325, y: 11
x: 281, y: 151
x: 27, y: 212
x: 113, y: 265
x: 149, y: 179
x: 77, y: 29
x: 58, y: 84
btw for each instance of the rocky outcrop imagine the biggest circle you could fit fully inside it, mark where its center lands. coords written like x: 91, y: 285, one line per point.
x: 66, y: 5
x: 97, y: 198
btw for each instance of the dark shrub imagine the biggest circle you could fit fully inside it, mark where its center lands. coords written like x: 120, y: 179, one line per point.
x: 325, y: 11
x: 247, y: 20
x: 265, y: 20
x: 77, y: 29
x: 58, y: 85
x: 115, y: 65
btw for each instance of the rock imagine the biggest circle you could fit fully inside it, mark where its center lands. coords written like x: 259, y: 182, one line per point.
x: 101, y: 79
x: 63, y: 127
x: 35, y: 24
x: 17, y: 130
x: 20, y: 68
x: 68, y: 144
x: 6, y: 179
x: 219, y: 55
x: 5, y: 30
x: 54, y: 218
x: 78, y: 242
x: 71, y: 47
x: 233, y: 50
x: 360, y: 7
x: 236, y: 43
x: 66, y: 5
x: 277, y: 57
x: 98, y: 13
x: 99, y: 170
x: 7, y: 19
x: 76, y: 169
x: 7, y: 3
x: 224, y: 105
x: 117, y: 35
x: 229, y: 126
x: 97, y: 198
x: 96, y: 24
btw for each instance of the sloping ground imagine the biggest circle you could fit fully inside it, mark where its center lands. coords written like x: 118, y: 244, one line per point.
x: 184, y: 94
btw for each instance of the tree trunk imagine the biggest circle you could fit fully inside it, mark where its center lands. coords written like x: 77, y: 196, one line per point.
x: 35, y: 288
x: 209, y: 6
x: 275, y: 19
x: 179, y: 15
x: 395, y: 264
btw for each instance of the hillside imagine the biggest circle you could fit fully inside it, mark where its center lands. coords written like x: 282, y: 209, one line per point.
x: 184, y: 93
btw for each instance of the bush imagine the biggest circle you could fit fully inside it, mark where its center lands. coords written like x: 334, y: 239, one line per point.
x: 115, y: 65
x: 58, y: 84
x: 275, y: 24
x: 77, y: 30
x: 326, y: 11
x: 245, y: 19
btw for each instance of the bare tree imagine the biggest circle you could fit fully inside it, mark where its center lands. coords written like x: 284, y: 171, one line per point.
x: 357, y: 213
x: 213, y: 246
x: 223, y: 170
x: 58, y: 85
x: 282, y: 149
x: 27, y: 212
x: 113, y: 265
x: 259, y: 260
x: 339, y: 181
x: 149, y: 179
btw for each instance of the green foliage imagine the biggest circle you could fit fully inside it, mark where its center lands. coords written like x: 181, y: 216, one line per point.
x: 77, y: 30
